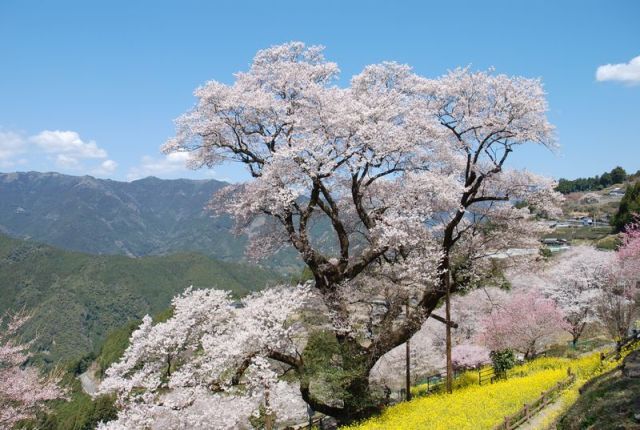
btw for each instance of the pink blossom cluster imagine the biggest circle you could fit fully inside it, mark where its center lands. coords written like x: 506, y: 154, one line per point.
x: 23, y: 390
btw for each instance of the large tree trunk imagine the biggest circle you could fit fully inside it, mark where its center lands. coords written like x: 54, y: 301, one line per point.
x: 346, y: 364
x: 576, y: 333
x: 349, y: 364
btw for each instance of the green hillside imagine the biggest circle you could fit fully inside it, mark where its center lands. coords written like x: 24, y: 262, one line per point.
x: 77, y: 298
x: 595, y: 183
x: 610, y: 402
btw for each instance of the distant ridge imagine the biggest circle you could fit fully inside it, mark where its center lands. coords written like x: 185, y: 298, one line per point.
x: 149, y: 216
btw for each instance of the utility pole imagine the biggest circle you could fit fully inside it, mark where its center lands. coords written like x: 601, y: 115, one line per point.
x: 448, y: 340
x: 408, y: 359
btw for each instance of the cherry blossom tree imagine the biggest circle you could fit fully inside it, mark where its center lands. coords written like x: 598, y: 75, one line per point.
x: 468, y: 356
x: 575, y: 283
x: 629, y: 251
x: 23, y: 390
x: 427, y: 357
x: 618, y: 306
x: 409, y: 172
x: 526, y: 322
x: 211, y: 365
x: 428, y: 346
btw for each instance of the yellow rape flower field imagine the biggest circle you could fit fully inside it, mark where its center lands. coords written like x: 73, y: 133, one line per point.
x: 476, y: 407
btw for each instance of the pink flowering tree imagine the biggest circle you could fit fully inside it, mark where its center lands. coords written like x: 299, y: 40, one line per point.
x: 428, y: 348
x: 409, y: 173
x: 629, y: 251
x: 618, y: 306
x: 469, y: 356
x: 575, y: 284
x: 23, y: 390
x: 526, y: 322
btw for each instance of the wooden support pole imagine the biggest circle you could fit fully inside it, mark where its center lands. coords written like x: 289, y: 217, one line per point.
x: 448, y: 340
x: 444, y: 320
x: 408, y: 362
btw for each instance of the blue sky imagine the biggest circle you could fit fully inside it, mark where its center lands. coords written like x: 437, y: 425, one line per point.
x: 93, y: 87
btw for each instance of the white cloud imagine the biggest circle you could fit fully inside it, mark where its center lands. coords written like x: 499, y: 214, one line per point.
x: 106, y: 167
x: 109, y: 165
x: 11, y: 144
x: 68, y: 143
x: 67, y: 162
x: 65, y: 149
x: 12, y: 164
x: 213, y: 174
x: 69, y: 149
x: 623, y: 72
x: 150, y: 166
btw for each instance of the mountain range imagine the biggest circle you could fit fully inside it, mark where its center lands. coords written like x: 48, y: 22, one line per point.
x: 149, y: 216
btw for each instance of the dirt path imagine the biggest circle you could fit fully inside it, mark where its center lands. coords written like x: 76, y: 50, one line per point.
x: 90, y: 383
x: 538, y: 421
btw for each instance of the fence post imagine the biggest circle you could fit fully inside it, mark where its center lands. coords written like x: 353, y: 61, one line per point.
x: 507, y: 424
x: 526, y: 412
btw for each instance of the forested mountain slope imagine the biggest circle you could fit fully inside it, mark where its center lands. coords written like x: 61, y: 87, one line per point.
x: 77, y: 298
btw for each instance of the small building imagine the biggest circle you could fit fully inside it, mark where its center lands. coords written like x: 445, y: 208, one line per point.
x: 552, y: 241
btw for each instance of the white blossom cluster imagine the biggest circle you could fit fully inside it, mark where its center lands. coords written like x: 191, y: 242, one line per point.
x: 390, y: 151
x: 206, y: 367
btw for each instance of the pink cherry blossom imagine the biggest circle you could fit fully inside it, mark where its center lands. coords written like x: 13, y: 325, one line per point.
x: 23, y: 390
x: 525, y: 323
x: 468, y: 356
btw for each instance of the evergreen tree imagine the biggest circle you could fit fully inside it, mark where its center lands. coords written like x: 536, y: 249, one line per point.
x: 618, y: 175
x: 629, y: 207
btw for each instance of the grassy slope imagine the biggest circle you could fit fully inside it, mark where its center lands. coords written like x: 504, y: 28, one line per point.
x: 77, y: 298
x: 610, y: 402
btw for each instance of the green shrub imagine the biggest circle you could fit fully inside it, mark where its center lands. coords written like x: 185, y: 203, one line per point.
x: 502, y: 361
